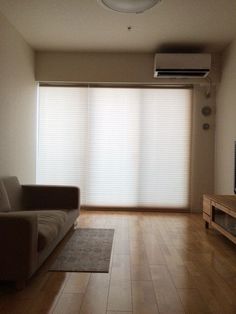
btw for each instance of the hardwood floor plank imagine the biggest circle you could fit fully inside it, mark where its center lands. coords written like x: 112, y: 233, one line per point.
x: 138, y: 254
x: 216, y: 293
x: 121, y: 243
x: 153, y: 250
x: 119, y: 298
x: 120, y: 267
x: 9, y: 304
x: 193, y: 302
x: 115, y: 312
x: 166, y: 294
x: 144, y: 301
x: 77, y: 283
x: 69, y: 303
x: 181, y: 277
x: 140, y: 272
x: 95, y: 297
x: 44, y: 302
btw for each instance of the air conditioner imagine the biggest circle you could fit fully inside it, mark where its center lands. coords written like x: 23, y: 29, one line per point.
x: 182, y: 65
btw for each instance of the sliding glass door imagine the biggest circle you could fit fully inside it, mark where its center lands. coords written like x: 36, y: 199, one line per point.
x: 124, y: 147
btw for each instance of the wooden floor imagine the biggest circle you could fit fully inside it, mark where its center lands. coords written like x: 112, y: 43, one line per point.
x: 161, y: 263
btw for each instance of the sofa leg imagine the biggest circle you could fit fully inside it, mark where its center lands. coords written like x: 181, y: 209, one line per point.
x: 20, y: 284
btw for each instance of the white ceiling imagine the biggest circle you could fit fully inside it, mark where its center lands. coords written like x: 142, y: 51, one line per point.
x: 83, y: 25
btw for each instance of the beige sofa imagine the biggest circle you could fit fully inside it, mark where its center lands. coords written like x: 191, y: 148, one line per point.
x: 33, y: 220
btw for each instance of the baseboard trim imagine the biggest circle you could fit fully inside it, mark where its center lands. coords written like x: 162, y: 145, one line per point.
x: 135, y: 209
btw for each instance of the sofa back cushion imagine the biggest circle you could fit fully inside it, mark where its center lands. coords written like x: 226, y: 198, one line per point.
x: 14, y: 192
x: 4, y: 202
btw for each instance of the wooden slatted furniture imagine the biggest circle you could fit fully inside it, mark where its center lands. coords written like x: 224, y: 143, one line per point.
x: 219, y: 212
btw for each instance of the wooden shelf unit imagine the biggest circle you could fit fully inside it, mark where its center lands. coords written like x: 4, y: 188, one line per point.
x: 219, y: 212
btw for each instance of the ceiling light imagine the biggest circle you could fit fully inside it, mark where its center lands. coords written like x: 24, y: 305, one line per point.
x: 129, y: 6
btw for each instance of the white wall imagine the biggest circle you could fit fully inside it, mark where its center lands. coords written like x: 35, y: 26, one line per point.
x: 17, y: 105
x: 138, y: 68
x: 202, y: 147
x: 226, y: 123
x: 104, y: 67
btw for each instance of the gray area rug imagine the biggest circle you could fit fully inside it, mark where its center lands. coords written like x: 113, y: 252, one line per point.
x: 88, y: 250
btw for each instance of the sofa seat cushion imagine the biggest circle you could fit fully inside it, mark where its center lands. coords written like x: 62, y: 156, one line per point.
x: 50, y: 222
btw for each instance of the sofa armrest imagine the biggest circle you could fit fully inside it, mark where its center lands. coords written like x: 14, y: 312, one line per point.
x: 51, y: 197
x: 18, y: 245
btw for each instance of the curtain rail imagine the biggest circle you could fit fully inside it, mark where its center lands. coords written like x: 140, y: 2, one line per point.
x: 115, y: 85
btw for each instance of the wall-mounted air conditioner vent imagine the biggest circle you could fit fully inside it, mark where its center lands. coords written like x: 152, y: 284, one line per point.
x: 182, y: 65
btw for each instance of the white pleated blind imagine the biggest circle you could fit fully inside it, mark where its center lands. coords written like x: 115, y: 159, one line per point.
x: 62, y: 136
x: 125, y: 147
